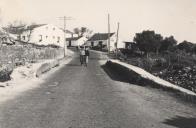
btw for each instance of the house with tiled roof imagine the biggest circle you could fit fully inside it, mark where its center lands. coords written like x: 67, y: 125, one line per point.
x: 101, y: 40
x: 76, y: 41
x: 43, y: 34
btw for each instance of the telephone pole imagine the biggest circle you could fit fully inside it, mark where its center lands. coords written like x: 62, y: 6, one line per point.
x: 117, y: 39
x: 64, y: 18
x: 108, y: 33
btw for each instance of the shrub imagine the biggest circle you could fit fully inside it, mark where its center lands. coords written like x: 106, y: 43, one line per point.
x: 5, y: 72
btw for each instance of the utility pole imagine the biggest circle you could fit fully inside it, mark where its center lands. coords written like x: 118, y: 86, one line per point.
x: 108, y: 33
x: 64, y: 18
x: 117, y: 39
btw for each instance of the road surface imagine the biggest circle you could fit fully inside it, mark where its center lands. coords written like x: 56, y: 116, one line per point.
x: 86, y: 97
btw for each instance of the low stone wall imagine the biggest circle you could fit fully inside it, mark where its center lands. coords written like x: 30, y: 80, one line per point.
x: 130, y: 75
x: 17, y: 54
x: 47, y: 67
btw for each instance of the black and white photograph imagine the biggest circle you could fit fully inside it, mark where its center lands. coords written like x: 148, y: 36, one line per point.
x: 97, y: 63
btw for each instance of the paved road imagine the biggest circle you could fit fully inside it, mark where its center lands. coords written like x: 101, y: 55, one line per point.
x: 80, y: 97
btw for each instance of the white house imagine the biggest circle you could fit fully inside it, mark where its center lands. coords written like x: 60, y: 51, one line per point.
x: 70, y: 34
x: 101, y: 39
x: 76, y: 41
x: 43, y: 34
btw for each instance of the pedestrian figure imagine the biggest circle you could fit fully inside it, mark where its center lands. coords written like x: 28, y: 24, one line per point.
x: 82, y: 55
x: 86, y: 55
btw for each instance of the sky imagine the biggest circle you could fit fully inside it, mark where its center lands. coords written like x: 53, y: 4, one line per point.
x: 166, y: 17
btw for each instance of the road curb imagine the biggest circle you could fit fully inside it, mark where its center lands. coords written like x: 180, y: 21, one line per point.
x: 45, y: 67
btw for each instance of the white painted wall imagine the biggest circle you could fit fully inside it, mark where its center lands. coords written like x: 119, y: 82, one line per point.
x: 45, y: 35
x: 104, y: 42
x: 78, y: 42
x: 112, y: 43
x: 69, y: 35
x: 120, y: 43
x: 81, y: 41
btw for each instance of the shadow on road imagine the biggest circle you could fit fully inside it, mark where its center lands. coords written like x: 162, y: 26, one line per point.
x: 114, y: 75
x: 181, y: 122
x: 118, y: 73
x: 73, y: 65
x: 97, y: 58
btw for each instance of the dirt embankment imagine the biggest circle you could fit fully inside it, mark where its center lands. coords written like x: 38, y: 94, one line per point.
x: 138, y: 76
x: 16, y: 55
x: 23, y: 78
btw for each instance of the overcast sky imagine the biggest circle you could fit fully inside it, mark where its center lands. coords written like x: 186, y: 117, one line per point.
x: 167, y: 17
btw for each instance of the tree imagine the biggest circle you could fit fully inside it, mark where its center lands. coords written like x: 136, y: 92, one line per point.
x: 168, y: 43
x: 15, y: 27
x: 88, y: 33
x: 186, y: 46
x: 148, y: 41
x: 194, y: 49
x: 77, y: 31
x: 83, y: 30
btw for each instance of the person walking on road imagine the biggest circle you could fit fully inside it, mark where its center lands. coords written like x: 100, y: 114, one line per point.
x: 86, y: 55
x: 82, y: 56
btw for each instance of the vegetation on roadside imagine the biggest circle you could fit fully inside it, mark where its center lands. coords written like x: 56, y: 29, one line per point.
x: 12, y: 56
x: 164, y: 57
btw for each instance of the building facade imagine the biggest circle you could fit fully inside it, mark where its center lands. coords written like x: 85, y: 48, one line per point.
x: 44, y: 34
x: 101, y: 40
x: 76, y: 41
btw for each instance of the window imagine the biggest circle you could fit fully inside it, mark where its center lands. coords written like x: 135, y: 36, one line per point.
x: 92, y: 43
x: 100, y: 43
x: 58, y: 39
x: 23, y: 37
x: 40, y: 38
x: 53, y: 28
